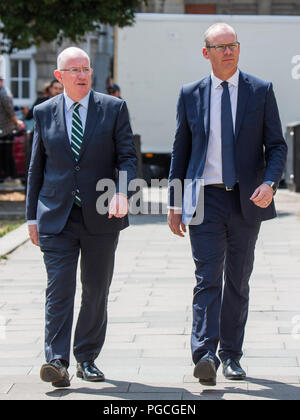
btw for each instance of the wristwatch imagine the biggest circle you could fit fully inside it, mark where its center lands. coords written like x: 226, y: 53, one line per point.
x: 272, y: 184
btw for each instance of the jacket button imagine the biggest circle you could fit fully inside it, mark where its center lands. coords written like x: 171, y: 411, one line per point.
x: 73, y: 192
x: 77, y: 168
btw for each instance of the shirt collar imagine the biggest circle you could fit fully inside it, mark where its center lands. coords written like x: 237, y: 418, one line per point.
x: 233, y: 81
x: 69, y: 102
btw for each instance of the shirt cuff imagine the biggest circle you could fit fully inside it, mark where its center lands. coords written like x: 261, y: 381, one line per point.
x: 31, y: 222
x: 175, y: 208
x: 120, y: 193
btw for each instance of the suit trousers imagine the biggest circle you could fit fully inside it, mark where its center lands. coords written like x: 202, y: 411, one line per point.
x: 61, y: 256
x: 223, y: 252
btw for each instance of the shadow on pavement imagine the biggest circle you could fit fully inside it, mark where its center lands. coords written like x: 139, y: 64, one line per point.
x: 273, y: 390
x: 267, y: 389
x: 283, y: 213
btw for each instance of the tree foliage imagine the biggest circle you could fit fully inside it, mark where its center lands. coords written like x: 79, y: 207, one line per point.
x: 24, y: 23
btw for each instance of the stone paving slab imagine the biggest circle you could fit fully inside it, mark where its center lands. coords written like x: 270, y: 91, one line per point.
x: 13, y: 239
x: 147, y: 351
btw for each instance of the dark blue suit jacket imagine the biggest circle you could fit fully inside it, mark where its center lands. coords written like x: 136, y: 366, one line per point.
x: 54, y: 174
x: 259, y: 144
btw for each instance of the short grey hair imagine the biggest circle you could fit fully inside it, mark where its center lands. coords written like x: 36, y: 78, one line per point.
x: 70, y: 52
x: 219, y: 25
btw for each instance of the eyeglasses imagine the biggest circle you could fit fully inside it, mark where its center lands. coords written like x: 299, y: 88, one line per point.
x: 75, y: 70
x: 222, y: 47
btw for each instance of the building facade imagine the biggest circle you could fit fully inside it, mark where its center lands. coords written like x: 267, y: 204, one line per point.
x: 232, y: 7
x: 26, y: 71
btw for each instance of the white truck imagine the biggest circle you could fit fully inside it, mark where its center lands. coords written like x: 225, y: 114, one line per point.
x: 161, y: 52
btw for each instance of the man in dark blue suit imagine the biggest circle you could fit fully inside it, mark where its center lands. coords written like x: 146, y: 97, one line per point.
x: 80, y: 138
x: 228, y: 135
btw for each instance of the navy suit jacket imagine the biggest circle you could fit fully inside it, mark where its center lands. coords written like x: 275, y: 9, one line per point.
x: 260, y: 148
x: 54, y: 175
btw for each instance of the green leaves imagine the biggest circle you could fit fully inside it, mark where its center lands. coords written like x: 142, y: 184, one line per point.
x: 24, y: 23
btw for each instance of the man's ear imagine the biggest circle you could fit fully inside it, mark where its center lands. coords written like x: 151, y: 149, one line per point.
x: 57, y: 75
x: 205, y: 53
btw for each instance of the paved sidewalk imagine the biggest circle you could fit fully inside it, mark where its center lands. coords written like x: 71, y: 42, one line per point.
x: 147, y: 351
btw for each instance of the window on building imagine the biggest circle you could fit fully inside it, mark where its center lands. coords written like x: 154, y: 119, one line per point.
x: 20, y: 78
x: 201, y: 9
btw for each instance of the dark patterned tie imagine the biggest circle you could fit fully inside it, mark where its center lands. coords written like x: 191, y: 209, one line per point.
x: 76, y: 140
x: 228, y: 153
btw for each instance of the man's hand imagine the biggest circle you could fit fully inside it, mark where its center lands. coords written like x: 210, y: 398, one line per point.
x: 34, y: 235
x: 262, y: 196
x: 21, y: 125
x: 118, y: 206
x: 175, y: 223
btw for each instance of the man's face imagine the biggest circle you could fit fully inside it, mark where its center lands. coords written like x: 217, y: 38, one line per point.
x: 77, y: 79
x: 56, y: 89
x: 223, y: 63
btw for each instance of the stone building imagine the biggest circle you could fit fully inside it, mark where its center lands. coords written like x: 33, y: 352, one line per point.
x: 25, y: 72
x: 233, y: 7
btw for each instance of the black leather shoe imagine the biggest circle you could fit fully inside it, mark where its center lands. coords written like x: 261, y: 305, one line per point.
x: 206, y: 371
x: 56, y: 372
x: 232, y: 370
x: 89, y: 372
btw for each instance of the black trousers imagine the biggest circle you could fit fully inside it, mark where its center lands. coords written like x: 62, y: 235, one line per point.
x: 61, y: 255
x: 7, y: 162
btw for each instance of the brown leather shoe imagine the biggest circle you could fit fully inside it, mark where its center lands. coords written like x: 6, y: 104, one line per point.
x: 89, y: 372
x: 55, y: 372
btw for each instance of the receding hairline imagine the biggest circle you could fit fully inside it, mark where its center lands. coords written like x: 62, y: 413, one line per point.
x: 69, y: 53
x: 216, y: 26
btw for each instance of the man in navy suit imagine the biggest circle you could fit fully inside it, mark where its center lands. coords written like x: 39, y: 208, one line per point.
x: 228, y: 135
x: 80, y: 137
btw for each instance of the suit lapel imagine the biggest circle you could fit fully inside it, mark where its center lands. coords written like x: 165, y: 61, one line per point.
x: 243, y: 96
x: 93, y: 117
x: 59, y: 116
x: 204, y: 104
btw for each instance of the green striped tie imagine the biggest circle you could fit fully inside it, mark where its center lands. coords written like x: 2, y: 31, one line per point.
x: 76, y: 140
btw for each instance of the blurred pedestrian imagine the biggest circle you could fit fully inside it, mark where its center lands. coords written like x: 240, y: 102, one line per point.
x: 55, y: 88
x: 50, y: 90
x: 114, y: 90
x: 9, y: 125
x: 28, y: 113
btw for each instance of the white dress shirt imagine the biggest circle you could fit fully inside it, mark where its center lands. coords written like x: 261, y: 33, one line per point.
x: 212, y: 173
x: 69, y: 108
